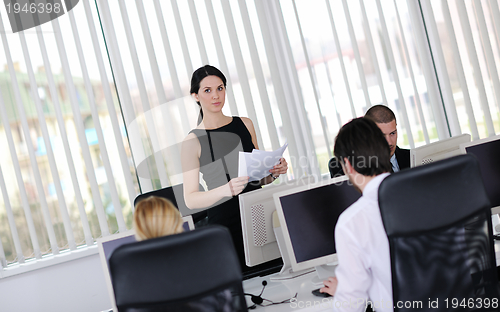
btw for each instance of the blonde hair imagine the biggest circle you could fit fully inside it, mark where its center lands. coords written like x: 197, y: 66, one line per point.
x: 155, y: 217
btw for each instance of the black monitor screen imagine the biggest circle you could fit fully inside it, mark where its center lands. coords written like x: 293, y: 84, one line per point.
x: 311, y: 216
x: 488, y: 154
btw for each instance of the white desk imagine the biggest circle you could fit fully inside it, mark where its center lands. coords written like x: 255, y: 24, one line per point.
x: 306, y: 301
x: 279, y: 291
x: 497, y: 252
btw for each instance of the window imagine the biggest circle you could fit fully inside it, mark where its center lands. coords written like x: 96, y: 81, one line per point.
x: 66, y: 176
x: 465, y: 46
x: 90, y: 118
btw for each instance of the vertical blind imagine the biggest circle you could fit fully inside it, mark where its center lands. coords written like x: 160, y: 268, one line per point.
x: 66, y: 175
x: 95, y: 104
x: 464, y: 40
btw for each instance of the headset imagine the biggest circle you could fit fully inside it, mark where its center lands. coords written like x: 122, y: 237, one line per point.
x: 258, y: 300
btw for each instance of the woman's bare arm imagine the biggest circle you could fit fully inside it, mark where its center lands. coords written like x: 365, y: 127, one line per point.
x: 190, y: 157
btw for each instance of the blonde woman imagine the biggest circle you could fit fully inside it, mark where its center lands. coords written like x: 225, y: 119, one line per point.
x: 156, y: 217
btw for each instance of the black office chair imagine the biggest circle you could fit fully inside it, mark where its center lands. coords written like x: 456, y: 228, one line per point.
x: 192, y: 271
x: 335, y: 168
x: 176, y: 195
x: 438, y: 221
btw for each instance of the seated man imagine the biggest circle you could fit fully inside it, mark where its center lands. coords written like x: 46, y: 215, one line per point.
x: 363, y: 275
x: 385, y: 119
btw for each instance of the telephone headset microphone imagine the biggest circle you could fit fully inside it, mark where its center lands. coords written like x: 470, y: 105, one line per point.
x: 258, y: 300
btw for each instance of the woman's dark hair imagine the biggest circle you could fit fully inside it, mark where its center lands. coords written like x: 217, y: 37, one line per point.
x: 200, y: 74
x: 364, y: 145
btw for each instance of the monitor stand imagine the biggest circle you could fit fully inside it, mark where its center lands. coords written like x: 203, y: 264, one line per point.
x: 323, y: 272
x: 286, y: 272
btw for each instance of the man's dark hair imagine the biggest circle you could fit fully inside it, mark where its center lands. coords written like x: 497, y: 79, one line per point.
x: 364, y: 145
x: 380, y: 114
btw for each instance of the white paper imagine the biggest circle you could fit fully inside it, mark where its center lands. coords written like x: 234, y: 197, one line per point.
x: 256, y: 165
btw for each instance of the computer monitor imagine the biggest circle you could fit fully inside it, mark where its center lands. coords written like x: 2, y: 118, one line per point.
x: 106, y: 246
x: 308, y: 215
x: 487, y: 152
x: 437, y: 150
x: 256, y: 209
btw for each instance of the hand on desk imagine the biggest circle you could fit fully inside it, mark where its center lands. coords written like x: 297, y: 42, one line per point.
x: 330, y: 286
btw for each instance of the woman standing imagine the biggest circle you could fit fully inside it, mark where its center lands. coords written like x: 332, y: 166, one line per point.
x: 212, y: 149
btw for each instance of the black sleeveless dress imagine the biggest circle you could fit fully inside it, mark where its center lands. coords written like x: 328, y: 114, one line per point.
x: 219, y: 164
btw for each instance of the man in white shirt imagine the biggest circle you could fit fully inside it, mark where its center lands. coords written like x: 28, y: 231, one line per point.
x: 385, y: 119
x: 363, y: 275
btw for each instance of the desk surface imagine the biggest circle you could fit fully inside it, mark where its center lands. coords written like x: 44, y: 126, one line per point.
x: 283, y: 290
x: 302, y: 286
x: 497, y: 252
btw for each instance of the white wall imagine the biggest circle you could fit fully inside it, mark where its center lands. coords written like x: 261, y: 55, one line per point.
x: 75, y: 286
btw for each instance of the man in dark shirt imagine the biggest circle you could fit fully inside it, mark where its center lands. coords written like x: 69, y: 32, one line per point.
x: 385, y: 119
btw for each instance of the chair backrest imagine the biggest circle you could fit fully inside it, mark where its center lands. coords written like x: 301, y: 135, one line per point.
x: 438, y: 222
x: 179, y: 273
x: 176, y: 195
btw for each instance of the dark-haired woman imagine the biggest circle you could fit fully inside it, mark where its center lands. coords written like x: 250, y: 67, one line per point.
x: 212, y: 149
